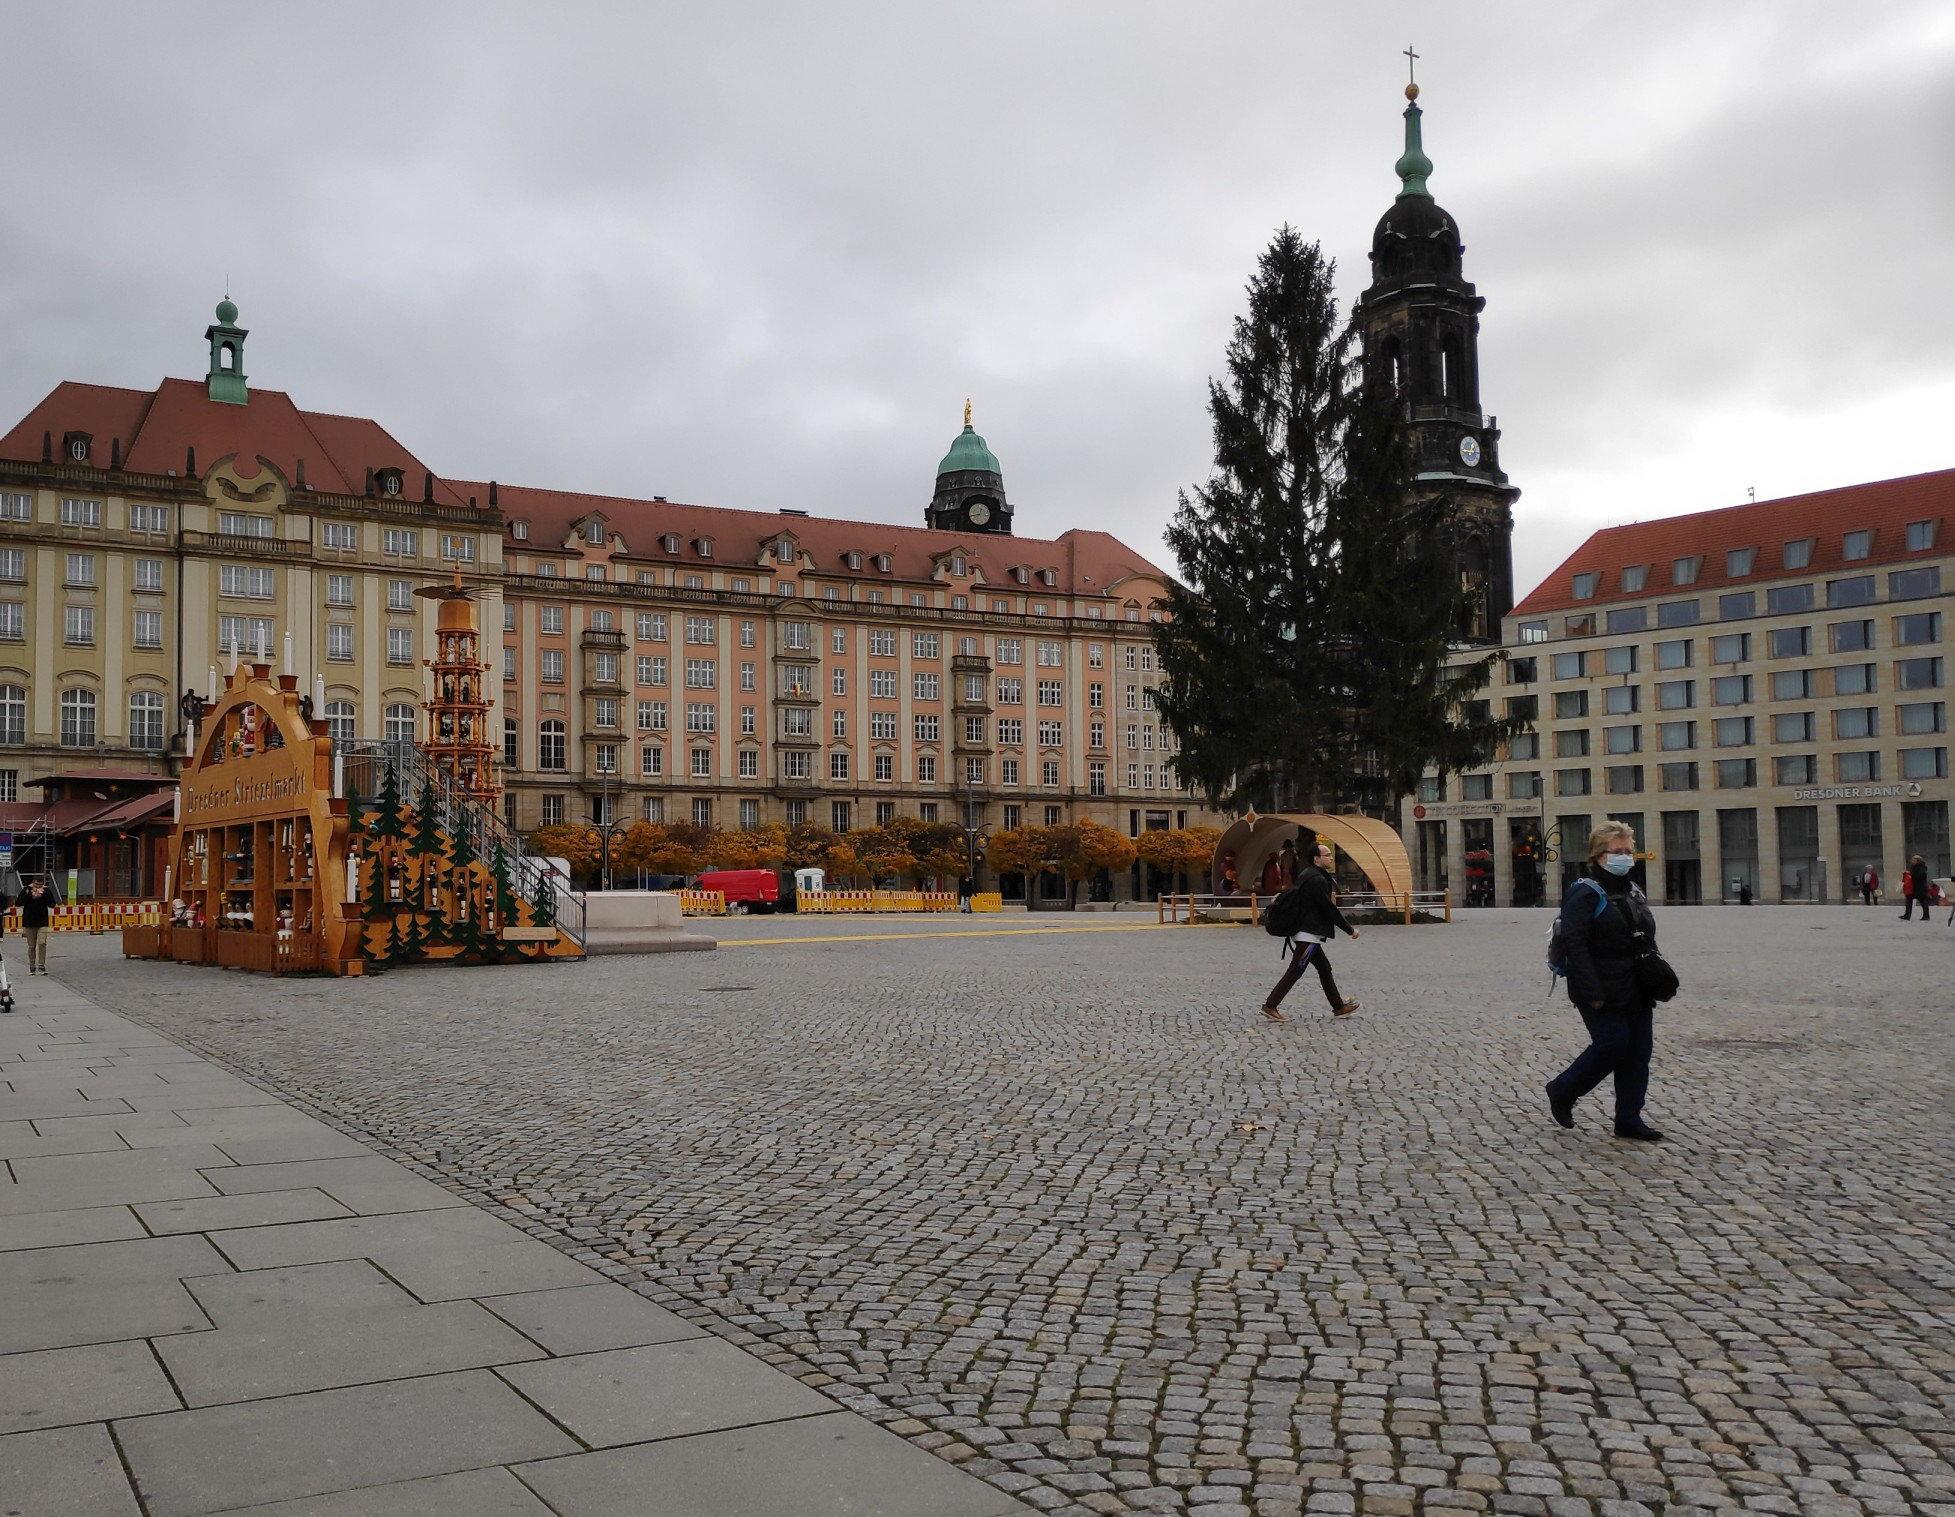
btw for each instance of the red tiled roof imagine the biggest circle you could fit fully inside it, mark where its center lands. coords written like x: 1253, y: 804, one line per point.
x: 132, y: 812
x: 156, y: 430
x: 1084, y: 562
x: 99, y: 776
x: 1886, y: 507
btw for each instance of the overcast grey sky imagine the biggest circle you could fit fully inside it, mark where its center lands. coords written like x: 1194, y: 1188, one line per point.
x: 758, y: 255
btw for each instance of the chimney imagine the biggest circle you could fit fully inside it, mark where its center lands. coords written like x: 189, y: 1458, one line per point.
x: 115, y: 452
x: 493, y: 495
x: 427, y: 486
x: 47, y: 447
x: 190, y: 461
x: 299, y: 481
x: 369, y: 488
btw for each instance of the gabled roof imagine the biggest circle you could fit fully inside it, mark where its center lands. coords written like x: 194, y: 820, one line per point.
x: 1887, y: 507
x: 1084, y: 562
x: 157, y: 428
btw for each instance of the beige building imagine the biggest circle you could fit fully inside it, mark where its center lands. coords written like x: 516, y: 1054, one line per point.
x: 1760, y: 691
x: 658, y: 659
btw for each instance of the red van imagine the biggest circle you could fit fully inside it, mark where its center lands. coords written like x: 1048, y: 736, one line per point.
x: 745, y: 889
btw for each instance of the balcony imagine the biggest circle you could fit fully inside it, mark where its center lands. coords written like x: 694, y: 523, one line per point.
x: 244, y: 545
x: 602, y: 642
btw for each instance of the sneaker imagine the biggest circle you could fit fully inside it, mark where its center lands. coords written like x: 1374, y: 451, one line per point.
x: 1344, y: 1008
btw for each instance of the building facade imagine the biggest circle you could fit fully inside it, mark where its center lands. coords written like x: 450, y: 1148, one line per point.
x: 657, y: 659
x: 1760, y: 691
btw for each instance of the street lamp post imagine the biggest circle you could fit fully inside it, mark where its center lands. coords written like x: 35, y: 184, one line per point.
x: 974, y: 834
x: 611, y: 825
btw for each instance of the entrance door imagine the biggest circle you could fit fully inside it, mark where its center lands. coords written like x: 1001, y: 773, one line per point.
x: 1683, y: 883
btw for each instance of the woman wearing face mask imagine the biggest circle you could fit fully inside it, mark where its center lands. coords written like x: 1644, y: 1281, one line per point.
x: 1601, y: 915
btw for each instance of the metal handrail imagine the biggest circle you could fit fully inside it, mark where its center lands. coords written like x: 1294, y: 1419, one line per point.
x: 366, y: 761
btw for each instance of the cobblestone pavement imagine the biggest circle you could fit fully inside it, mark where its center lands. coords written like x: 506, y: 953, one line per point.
x: 1061, y: 1207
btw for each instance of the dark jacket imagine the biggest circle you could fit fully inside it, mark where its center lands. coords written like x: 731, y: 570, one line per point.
x: 34, y: 913
x: 1917, y: 880
x: 1321, y: 918
x: 1602, y: 950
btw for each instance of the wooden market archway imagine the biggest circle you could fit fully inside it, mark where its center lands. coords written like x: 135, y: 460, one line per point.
x: 1374, y: 846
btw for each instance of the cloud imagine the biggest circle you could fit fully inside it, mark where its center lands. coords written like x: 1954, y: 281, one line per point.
x: 759, y: 254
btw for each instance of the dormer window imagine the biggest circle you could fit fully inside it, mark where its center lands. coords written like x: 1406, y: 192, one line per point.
x: 853, y: 560
x: 1021, y: 574
x: 594, y: 533
x: 1798, y: 553
x: 1584, y: 585
x: 1048, y: 577
x: 784, y: 551
x: 1920, y: 535
x: 670, y: 542
x: 882, y: 563
x: 519, y: 530
x: 1634, y: 577
x: 388, y: 481
x: 1857, y: 544
x: 1683, y: 571
x: 77, y: 445
x: 1738, y: 562
x: 703, y: 546
x: 957, y: 565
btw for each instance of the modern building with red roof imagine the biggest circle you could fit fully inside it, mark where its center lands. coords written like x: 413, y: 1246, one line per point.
x: 1760, y: 690
x: 659, y: 658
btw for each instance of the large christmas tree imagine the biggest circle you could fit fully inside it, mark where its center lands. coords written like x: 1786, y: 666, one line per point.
x: 1307, y: 654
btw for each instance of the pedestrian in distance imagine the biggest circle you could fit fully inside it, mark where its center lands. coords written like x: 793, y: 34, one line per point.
x: 1286, y: 861
x: 1914, y: 887
x: 1605, y: 924
x: 36, y: 907
x: 1313, y: 900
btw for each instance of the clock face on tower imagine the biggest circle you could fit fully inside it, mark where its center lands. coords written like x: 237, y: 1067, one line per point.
x: 978, y: 513
x: 1469, y: 451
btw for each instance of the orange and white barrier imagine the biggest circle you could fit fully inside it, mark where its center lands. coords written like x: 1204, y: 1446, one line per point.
x: 96, y: 916
x: 844, y: 902
x: 702, y: 903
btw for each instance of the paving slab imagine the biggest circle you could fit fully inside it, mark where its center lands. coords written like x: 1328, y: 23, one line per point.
x: 217, y: 1458
x: 439, y: 1255
x: 57, y: 1229
x: 68, y: 1181
x: 582, y: 1319
x: 373, y: 1184
x: 478, y: 1493
x: 101, y: 1292
x: 86, y: 1384
x: 836, y: 1465
x: 266, y: 1343
x: 255, y: 1209
x: 64, y: 1472
x: 662, y: 1390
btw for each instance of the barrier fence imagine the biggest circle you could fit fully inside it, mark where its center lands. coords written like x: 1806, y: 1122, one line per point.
x: 1247, y: 910
x: 96, y: 916
x: 702, y: 903
x: 845, y: 902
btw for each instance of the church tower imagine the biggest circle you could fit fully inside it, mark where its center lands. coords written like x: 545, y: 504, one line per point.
x: 970, y: 493
x: 1420, y: 321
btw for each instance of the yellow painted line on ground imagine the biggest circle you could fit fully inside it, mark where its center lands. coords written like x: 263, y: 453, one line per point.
x: 969, y: 932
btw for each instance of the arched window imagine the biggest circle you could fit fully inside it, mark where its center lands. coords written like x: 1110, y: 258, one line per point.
x: 146, y: 721
x: 550, y: 745
x: 400, y: 722
x: 339, y: 721
x: 13, y: 713
x: 227, y: 358
x: 77, y: 718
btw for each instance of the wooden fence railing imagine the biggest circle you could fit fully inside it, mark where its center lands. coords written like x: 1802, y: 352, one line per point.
x: 1248, y: 909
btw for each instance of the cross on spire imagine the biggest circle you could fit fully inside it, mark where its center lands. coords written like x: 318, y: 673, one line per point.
x: 1411, y: 66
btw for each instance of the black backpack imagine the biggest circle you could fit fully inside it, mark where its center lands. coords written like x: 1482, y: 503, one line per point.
x: 1284, y: 916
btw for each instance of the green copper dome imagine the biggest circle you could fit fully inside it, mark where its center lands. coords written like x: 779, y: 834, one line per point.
x: 969, y: 452
x: 227, y: 313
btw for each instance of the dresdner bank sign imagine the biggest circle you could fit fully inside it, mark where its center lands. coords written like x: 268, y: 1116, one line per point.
x: 1908, y: 792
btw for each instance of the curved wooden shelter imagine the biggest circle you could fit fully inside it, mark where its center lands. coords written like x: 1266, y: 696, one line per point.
x: 1374, y: 846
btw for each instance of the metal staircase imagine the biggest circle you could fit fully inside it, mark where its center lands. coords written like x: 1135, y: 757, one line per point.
x: 363, y: 765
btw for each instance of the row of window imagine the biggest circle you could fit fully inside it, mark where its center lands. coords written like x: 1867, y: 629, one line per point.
x: 149, y: 519
x: 1735, y: 689
x: 1780, y: 600
x: 1738, y: 773
x: 1847, y: 724
x: 78, y: 727
x: 1860, y: 635
x: 841, y: 814
x: 1794, y: 554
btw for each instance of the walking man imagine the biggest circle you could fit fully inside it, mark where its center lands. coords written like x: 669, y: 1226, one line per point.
x: 36, y: 903
x: 1320, y: 922
x: 1914, y: 886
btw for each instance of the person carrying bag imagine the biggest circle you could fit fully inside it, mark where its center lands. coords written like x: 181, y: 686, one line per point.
x: 1607, y: 938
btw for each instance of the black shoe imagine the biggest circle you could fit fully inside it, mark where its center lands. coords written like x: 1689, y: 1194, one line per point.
x: 1563, y: 1111
x: 1641, y: 1132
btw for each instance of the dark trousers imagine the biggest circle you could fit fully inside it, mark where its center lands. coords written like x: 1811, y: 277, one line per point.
x: 1620, y: 1043
x: 1908, y: 910
x: 1299, y: 957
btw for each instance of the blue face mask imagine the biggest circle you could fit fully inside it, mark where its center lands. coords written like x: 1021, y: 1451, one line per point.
x: 1618, y: 863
